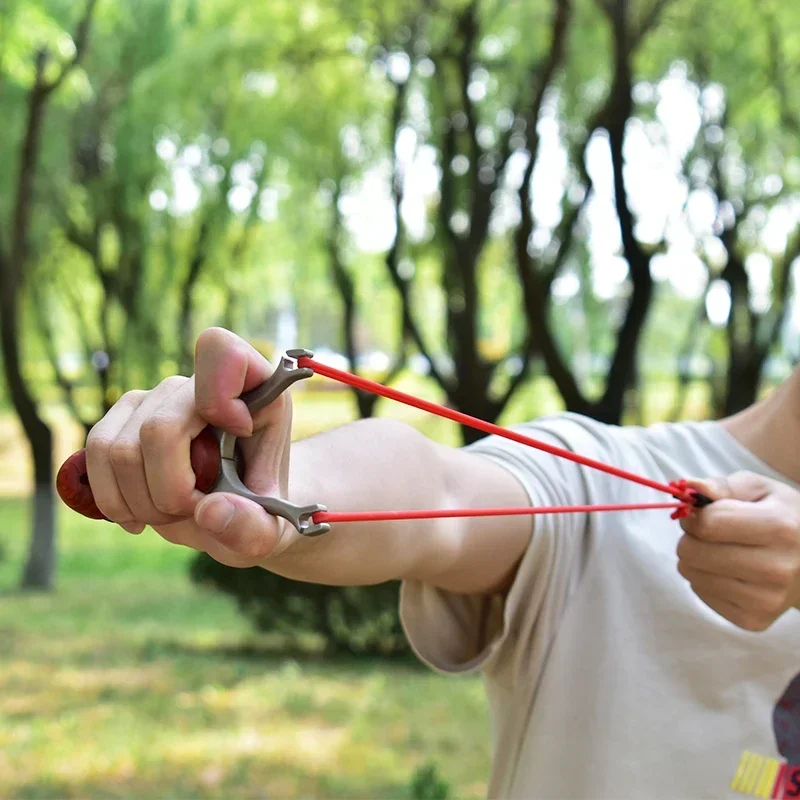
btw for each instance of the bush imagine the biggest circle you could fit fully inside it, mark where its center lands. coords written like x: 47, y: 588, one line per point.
x: 349, y: 619
x: 428, y: 784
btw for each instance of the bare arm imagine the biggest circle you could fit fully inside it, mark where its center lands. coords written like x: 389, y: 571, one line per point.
x: 140, y: 471
x: 385, y: 465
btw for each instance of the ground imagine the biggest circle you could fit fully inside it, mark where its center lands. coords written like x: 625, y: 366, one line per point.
x: 130, y: 682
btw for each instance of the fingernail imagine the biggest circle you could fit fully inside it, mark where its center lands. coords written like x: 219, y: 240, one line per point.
x: 216, y: 514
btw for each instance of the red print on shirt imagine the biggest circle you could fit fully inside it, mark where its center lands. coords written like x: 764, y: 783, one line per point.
x: 786, y: 726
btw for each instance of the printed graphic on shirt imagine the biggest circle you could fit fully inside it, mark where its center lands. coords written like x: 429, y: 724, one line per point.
x: 761, y: 776
x: 777, y: 779
x: 786, y: 722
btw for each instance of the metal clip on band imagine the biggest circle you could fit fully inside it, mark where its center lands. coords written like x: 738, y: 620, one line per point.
x: 286, y: 373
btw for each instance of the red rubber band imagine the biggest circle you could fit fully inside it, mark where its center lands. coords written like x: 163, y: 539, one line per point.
x: 681, y: 493
x: 447, y: 513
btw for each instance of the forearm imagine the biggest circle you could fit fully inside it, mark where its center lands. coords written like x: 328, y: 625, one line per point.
x: 385, y: 465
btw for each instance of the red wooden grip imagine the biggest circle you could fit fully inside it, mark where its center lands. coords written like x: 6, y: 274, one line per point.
x: 72, y: 481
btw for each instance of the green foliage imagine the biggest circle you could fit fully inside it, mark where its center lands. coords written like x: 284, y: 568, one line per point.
x: 277, y: 90
x: 428, y: 784
x: 360, y: 620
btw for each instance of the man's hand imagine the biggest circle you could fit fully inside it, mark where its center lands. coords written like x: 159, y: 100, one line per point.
x: 140, y: 471
x: 741, y: 554
x: 138, y: 456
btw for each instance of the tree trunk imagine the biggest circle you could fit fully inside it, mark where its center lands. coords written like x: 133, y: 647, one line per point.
x: 40, y: 566
x: 186, y: 316
x: 39, y: 570
x: 470, y: 435
x: 38, y: 573
x: 744, y: 379
x: 366, y: 404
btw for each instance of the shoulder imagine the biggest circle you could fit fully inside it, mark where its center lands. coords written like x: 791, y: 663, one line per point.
x: 570, y: 431
x: 664, y: 450
x: 566, y: 431
x: 682, y: 439
x: 576, y: 429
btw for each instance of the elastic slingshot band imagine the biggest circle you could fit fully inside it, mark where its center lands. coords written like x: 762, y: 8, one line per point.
x: 676, y: 489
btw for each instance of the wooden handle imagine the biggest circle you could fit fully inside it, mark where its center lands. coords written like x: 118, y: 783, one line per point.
x: 72, y: 481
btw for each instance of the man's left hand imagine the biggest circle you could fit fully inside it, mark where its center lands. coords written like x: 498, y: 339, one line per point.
x: 741, y: 554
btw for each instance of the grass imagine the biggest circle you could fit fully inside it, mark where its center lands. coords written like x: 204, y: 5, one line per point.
x: 129, y: 682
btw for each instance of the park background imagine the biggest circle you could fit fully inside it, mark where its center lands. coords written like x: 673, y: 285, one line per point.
x: 510, y: 206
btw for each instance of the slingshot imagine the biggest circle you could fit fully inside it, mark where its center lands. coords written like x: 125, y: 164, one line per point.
x: 218, y: 448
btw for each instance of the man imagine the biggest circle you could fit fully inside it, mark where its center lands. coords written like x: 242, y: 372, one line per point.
x: 614, y: 667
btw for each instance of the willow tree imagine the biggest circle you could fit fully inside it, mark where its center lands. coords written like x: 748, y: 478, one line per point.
x: 457, y: 90
x: 744, y: 161
x: 30, y: 80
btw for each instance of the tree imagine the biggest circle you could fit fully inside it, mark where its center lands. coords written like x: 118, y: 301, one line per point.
x: 742, y: 160
x: 163, y: 194
x: 473, y: 154
x: 15, y: 257
x: 537, y: 272
x: 345, y: 283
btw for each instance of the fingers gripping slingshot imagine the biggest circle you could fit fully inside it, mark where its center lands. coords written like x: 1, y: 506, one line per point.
x: 215, y: 459
x: 217, y: 464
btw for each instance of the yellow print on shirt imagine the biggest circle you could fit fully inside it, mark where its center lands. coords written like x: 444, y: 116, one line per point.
x: 770, y: 778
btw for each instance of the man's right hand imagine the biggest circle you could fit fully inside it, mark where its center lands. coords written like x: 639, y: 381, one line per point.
x: 138, y: 456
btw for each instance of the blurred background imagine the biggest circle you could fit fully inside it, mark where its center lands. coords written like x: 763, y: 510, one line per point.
x: 510, y: 206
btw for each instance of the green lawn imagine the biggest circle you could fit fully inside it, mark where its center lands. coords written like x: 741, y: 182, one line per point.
x: 129, y: 682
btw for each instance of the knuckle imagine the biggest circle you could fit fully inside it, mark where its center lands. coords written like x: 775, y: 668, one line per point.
x: 116, y: 512
x: 755, y: 623
x: 772, y: 604
x: 125, y: 453
x: 156, y: 429
x: 132, y: 398
x: 743, y: 479
x: 113, y: 506
x: 249, y: 547
x: 703, y: 527
x: 172, y: 383
x: 777, y: 572
x: 787, y: 528
x: 98, y: 443
x: 742, y: 475
x: 257, y: 550
x: 262, y: 547
x: 206, y: 407
x: 176, y: 503
x: 689, y: 524
x: 685, y: 549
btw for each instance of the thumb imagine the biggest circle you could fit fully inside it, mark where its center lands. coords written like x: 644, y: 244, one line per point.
x: 747, y: 486
x: 239, y: 525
